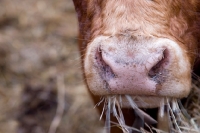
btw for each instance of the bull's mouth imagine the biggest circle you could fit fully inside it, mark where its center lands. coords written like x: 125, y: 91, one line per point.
x: 146, y: 101
x: 169, y: 107
x: 144, y: 68
x: 170, y: 111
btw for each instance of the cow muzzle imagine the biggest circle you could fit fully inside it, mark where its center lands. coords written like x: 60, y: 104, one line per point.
x: 138, y: 66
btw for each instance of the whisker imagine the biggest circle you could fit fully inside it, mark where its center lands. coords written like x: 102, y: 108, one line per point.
x: 103, y: 110
x: 140, y: 113
x: 178, y: 119
x: 161, y: 109
x: 173, y: 116
x: 107, y: 123
x: 102, y: 99
x: 120, y: 117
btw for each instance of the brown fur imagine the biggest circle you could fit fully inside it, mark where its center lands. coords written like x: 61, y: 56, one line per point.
x: 174, y: 19
x: 178, y: 20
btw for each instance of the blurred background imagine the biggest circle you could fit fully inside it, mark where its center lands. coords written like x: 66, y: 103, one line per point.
x: 40, y: 71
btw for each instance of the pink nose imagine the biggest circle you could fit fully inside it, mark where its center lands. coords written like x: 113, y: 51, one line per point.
x: 133, y: 72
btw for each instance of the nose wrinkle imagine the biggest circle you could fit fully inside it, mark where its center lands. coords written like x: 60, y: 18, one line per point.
x: 134, y: 75
x: 129, y: 76
x: 106, y: 71
x: 158, y: 70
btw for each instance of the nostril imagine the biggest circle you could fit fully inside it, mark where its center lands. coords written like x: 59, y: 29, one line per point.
x: 156, y: 72
x: 105, y: 70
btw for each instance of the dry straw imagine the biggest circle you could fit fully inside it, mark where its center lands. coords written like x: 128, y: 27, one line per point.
x: 178, y: 120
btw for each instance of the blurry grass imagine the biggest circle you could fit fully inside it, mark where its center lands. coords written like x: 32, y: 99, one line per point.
x: 38, y: 41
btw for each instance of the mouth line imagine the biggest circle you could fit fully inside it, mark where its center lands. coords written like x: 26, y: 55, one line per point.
x: 145, y: 96
x: 142, y: 101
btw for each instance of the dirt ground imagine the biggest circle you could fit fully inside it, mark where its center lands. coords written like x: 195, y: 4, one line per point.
x: 38, y: 56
